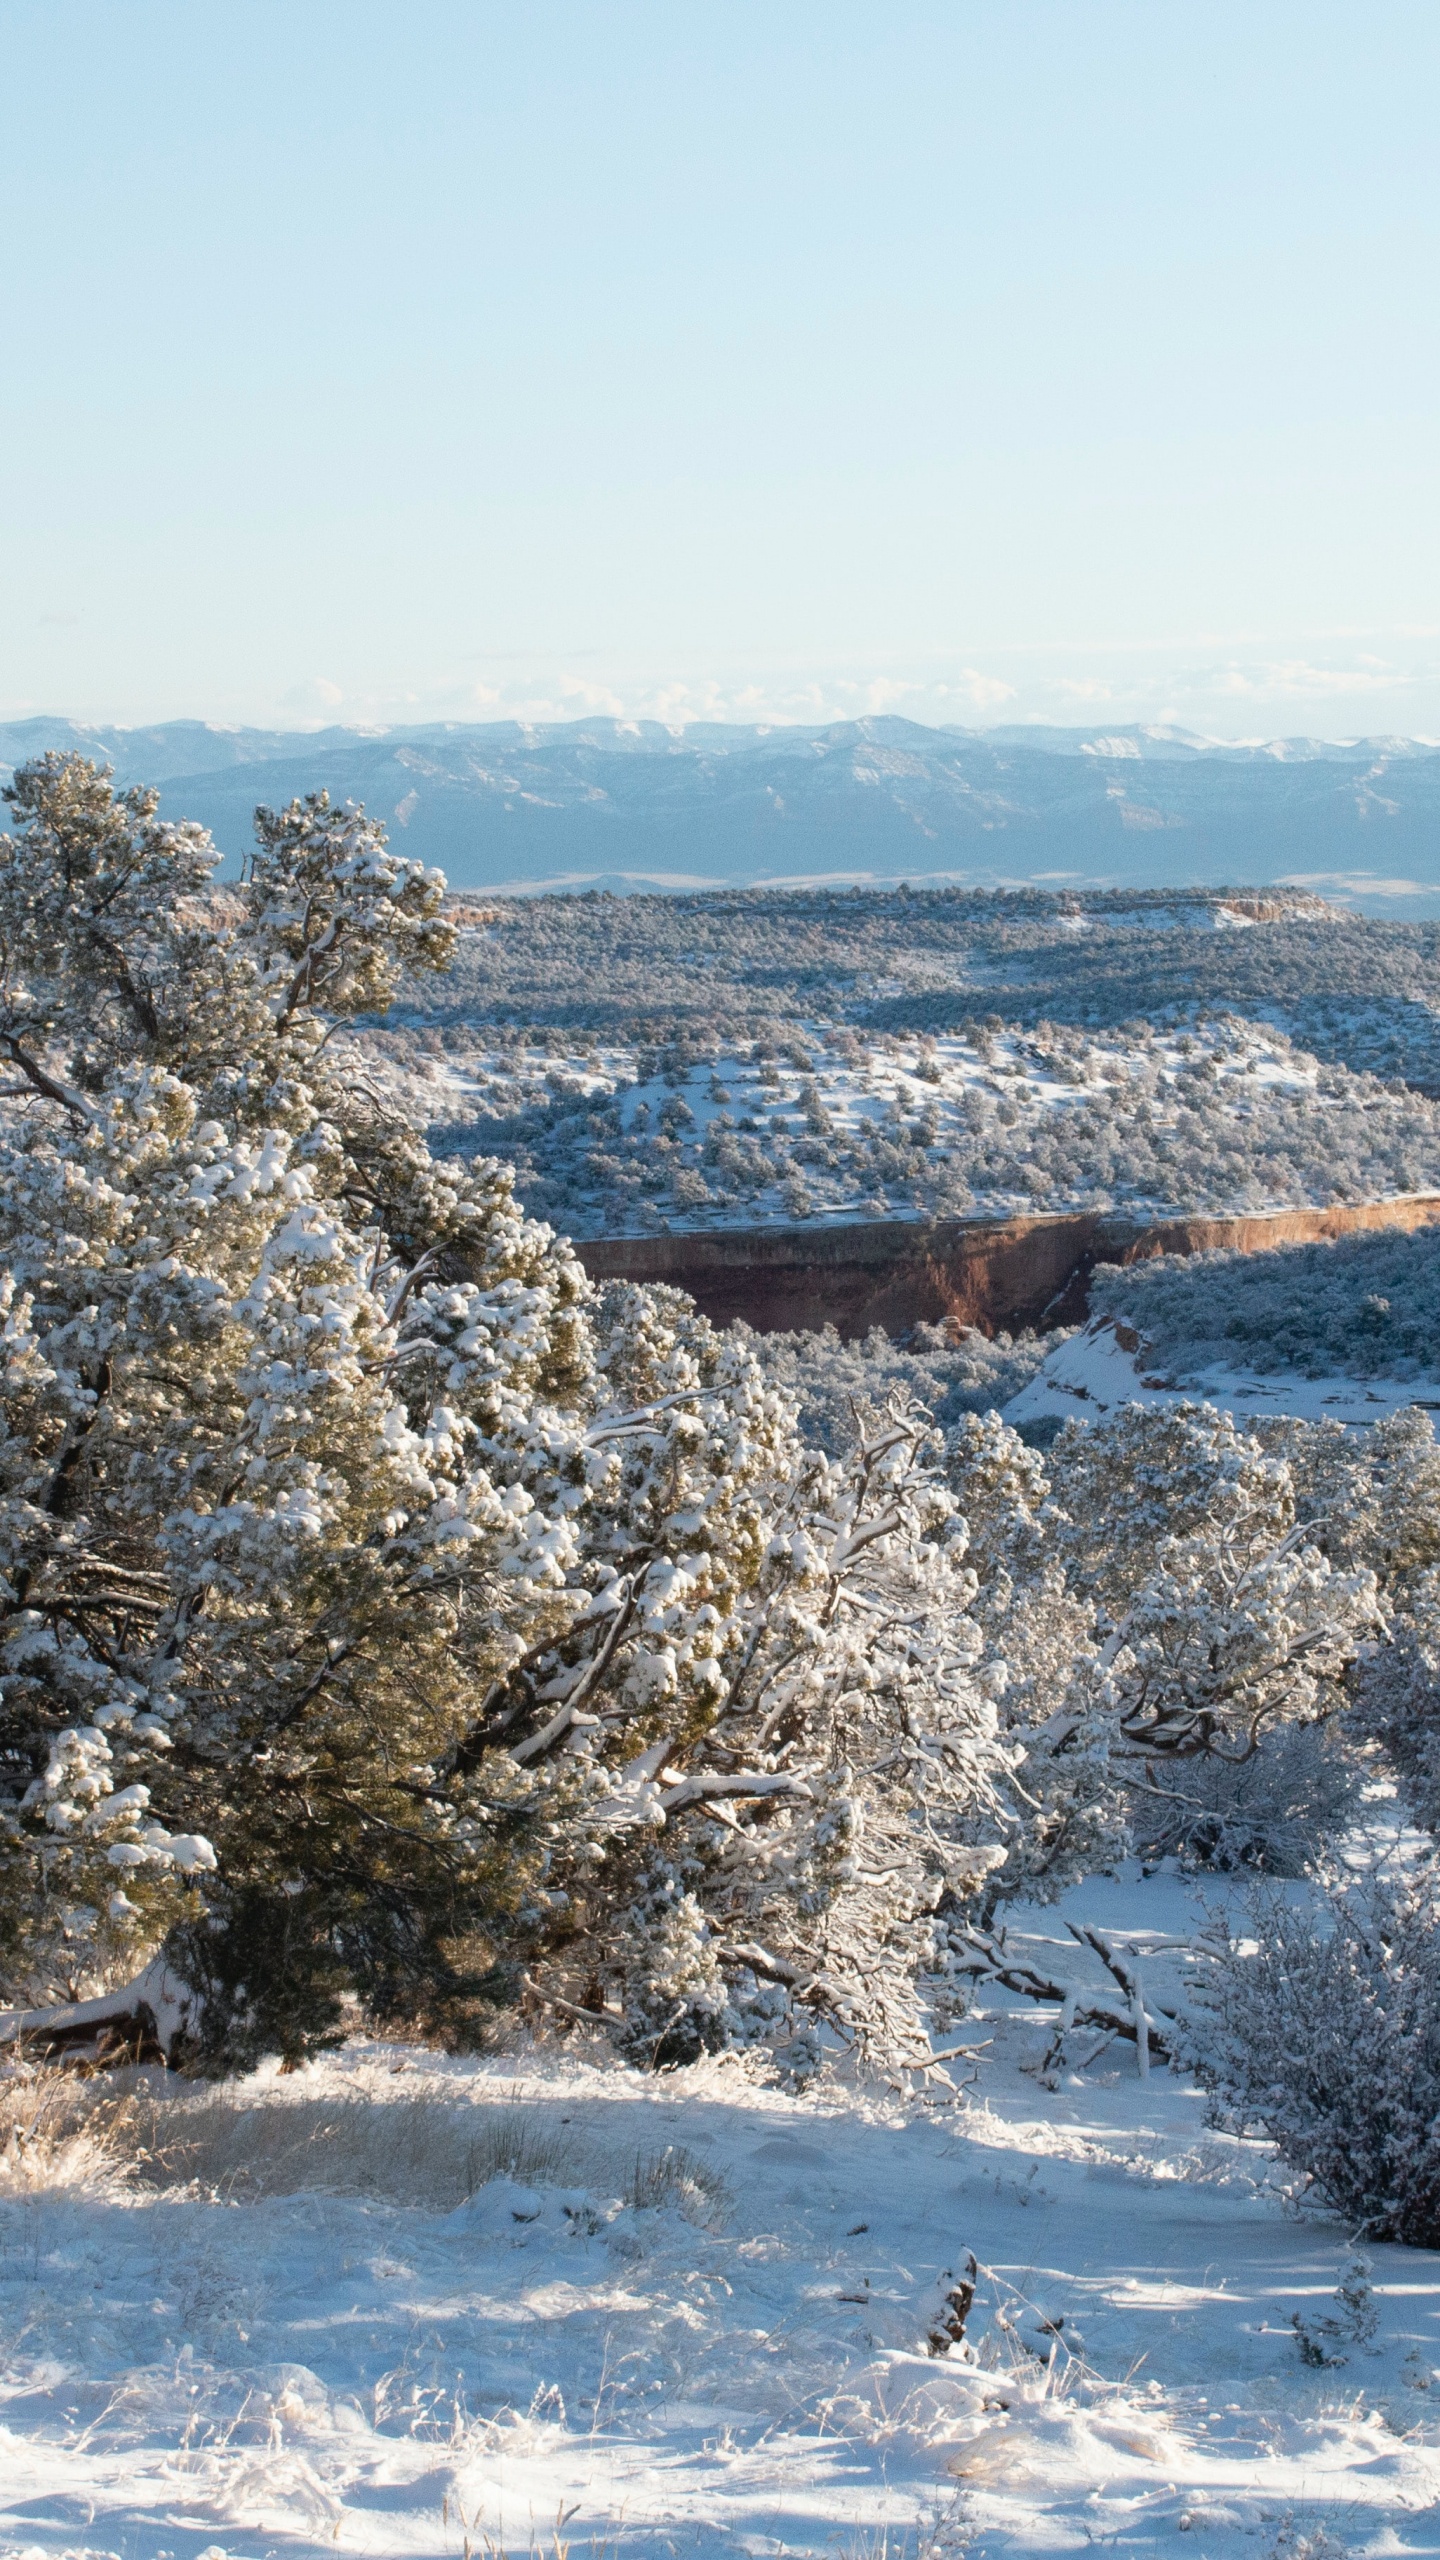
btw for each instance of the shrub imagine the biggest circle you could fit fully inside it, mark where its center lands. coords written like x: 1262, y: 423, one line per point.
x: 1325, y: 2034
x: 1397, y: 1701
x: 1273, y: 1812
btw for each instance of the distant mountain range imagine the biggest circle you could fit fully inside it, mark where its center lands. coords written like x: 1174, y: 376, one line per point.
x: 621, y: 804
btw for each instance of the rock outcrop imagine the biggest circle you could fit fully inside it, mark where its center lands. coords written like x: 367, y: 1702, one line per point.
x: 986, y: 1272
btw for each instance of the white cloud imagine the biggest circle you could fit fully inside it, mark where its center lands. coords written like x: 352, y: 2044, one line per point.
x: 1295, y: 679
x: 1211, y: 685
x: 986, y: 693
x: 314, y: 694
x: 1360, y: 884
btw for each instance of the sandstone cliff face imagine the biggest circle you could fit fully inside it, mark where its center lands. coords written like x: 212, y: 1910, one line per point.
x: 990, y: 1273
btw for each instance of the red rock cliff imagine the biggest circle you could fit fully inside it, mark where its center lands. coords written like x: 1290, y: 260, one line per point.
x: 985, y: 1272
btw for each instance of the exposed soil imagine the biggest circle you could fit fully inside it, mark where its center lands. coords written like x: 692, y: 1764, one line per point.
x: 988, y: 1273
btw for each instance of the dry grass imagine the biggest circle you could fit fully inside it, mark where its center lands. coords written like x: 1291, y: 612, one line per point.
x: 944, y: 2534
x: 553, y: 2543
x: 49, y: 2134
x: 413, y: 2149
x: 675, y: 2177
x: 138, y: 2130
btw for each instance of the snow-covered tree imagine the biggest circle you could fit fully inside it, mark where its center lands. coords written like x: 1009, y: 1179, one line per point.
x: 380, y: 1616
x: 1167, y: 1646
x: 1040, y: 1662
x: 1226, y: 1629
x: 1373, y: 1496
x: 1274, y: 1810
x: 1217, y: 1647
x: 1152, y: 1472
x: 260, y: 1456
x: 772, y: 1684
x: 1397, y: 1699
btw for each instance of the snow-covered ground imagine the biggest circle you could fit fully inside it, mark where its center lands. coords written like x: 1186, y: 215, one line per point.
x: 692, y: 2319
x: 1091, y: 1373
x: 611, y: 1140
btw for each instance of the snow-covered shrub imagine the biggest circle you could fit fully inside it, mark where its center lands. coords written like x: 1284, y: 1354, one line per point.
x: 1222, y: 1616
x: 1274, y: 1809
x: 1216, y: 1649
x: 828, y: 1377
x: 1153, y: 1472
x: 1368, y: 1497
x: 1040, y: 1667
x: 1366, y: 1306
x: 1397, y: 1701
x: 1331, y: 2338
x: 678, y: 2006
x: 1169, y: 1643
x: 1323, y: 2032
x: 1165, y: 1644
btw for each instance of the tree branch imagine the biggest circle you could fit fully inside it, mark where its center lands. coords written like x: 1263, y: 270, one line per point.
x: 43, y: 1083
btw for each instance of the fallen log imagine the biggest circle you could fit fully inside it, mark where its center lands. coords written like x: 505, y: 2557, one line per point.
x: 1150, y: 2029
x: 144, y: 2021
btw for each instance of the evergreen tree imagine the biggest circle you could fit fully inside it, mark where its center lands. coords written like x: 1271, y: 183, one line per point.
x: 285, y: 1468
x: 382, y: 1617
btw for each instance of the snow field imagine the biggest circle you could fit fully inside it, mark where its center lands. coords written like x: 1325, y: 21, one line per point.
x: 399, y: 2305
x: 1092, y: 1373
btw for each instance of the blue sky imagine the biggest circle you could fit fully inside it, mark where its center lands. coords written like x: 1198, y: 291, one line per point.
x: 1013, y: 359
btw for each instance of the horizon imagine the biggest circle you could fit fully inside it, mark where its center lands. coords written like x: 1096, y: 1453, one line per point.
x: 1095, y: 732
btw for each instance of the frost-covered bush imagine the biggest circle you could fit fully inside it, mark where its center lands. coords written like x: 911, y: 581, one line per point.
x: 829, y: 1378
x: 1323, y: 2032
x: 1275, y: 1809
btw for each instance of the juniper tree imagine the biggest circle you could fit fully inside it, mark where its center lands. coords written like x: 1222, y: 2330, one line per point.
x: 381, y: 1616
x: 1207, y: 1716
x: 278, y: 1412
x: 1041, y: 1653
x: 778, y: 1672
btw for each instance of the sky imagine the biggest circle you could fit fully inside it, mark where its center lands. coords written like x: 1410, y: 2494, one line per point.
x: 1061, y: 360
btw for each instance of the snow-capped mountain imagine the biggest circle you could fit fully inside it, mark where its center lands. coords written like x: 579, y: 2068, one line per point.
x: 611, y: 803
